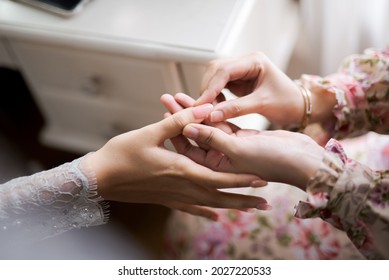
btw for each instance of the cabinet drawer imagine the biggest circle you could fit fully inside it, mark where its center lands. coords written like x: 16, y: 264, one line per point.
x: 94, y: 116
x: 95, y: 74
x: 89, y: 97
x: 90, y: 122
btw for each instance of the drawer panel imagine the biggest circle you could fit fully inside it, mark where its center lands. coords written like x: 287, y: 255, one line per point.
x: 97, y: 117
x: 87, y: 98
x: 96, y: 74
x: 80, y: 124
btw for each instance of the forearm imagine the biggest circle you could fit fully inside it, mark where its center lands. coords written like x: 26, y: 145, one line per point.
x: 352, y: 198
x: 52, y: 201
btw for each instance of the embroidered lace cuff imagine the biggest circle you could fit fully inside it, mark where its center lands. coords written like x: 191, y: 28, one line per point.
x: 51, y: 202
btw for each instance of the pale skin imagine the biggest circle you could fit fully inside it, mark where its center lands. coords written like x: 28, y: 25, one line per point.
x: 136, y: 167
x: 262, y: 88
x: 278, y: 156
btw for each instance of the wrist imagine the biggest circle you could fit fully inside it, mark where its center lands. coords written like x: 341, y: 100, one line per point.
x: 311, y: 165
x: 307, y: 160
x: 306, y: 95
x: 323, y: 102
x: 94, y: 163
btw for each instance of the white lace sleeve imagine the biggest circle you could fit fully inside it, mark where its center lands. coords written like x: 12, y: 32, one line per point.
x: 51, y: 202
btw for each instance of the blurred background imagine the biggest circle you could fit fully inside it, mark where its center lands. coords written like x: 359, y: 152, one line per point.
x: 72, y: 80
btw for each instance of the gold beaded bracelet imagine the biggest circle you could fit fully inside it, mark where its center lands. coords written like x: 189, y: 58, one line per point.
x: 307, y: 96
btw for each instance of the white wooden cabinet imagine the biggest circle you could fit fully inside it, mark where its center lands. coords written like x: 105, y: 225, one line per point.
x: 103, y: 71
x: 88, y: 97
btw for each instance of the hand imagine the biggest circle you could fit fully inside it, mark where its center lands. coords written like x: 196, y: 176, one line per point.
x: 260, y: 85
x: 181, y: 101
x: 136, y: 167
x: 278, y: 156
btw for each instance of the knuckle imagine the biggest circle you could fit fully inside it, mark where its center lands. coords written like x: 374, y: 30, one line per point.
x: 218, y: 68
x: 209, y: 138
x: 179, y: 120
x: 259, y: 56
x: 259, y: 59
x: 235, y: 109
x: 213, y: 65
x: 237, y: 150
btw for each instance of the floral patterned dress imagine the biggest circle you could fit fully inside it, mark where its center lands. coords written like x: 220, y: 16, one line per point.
x: 345, y: 212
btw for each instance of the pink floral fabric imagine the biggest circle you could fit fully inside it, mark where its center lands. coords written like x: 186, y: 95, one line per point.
x: 274, y: 234
x: 345, y: 212
x: 353, y: 198
x: 361, y: 87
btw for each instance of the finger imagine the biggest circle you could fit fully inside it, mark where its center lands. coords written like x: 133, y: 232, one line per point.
x: 174, y: 105
x: 194, y: 210
x: 170, y: 103
x: 212, y: 86
x: 210, y: 136
x: 174, y: 124
x: 221, y: 72
x: 248, y: 132
x: 215, y: 198
x: 234, y: 108
x: 195, y: 199
x: 226, y: 126
x: 208, y: 158
x: 222, y: 199
x: 184, y: 147
x: 184, y: 100
x: 166, y: 115
x: 187, y: 101
x: 206, y: 177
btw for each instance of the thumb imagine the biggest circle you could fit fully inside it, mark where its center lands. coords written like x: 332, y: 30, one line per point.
x: 210, y: 136
x: 234, y: 108
x: 173, y: 125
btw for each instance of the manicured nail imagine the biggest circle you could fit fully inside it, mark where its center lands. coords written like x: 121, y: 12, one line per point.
x: 217, y: 116
x: 258, y: 184
x: 264, y: 206
x: 202, y: 111
x: 214, y: 218
x: 248, y: 210
x: 191, y: 132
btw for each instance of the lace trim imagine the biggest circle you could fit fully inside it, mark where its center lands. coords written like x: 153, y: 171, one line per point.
x: 90, y: 180
x: 51, y: 202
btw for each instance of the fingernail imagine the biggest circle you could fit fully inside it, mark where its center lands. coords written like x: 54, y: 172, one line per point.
x: 249, y: 210
x: 191, y: 132
x: 217, y: 116
x: 258, y: 183
x: 264, y: 206
x: 214, y: 218
x: 202, y: 111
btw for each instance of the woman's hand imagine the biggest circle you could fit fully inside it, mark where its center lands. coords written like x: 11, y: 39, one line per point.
x: 278, y: 156
x: 261, y: 87
x: 136, y: 167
